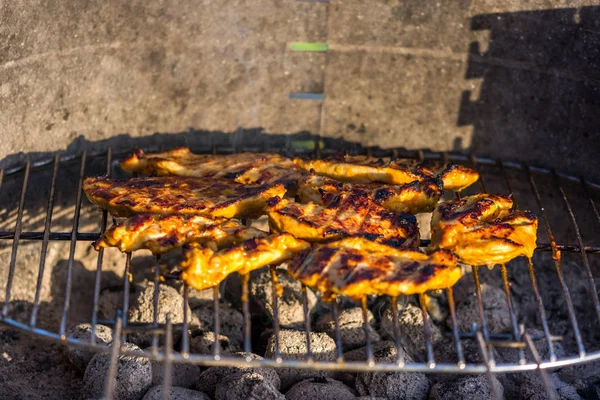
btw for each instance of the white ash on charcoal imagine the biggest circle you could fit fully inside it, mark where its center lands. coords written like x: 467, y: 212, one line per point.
x: 358, y: 355
x: 170, y: 301
x: 370, y: 398
x: 412, y: 330
x: 111, y: 300
x: 176, y: 393
x: 392, y: 385
x: 289, y: 298
x: 134, y: 375
x: 494, y: 308
x: 511, y: 356
x: 231, y: 322
x: 80, y: 357
x: 361, y: 353
x: 182, y: 374
x: 199, y: 298
x: 585, y: 378
x: 320, y: 388
x: 209, y: 379
x: 246, y: 386
x: 292, y: 346
x: 325, y: 307
x: 351, y: 327
x: 534, y: 389
x: 445, y: 352
x: 473, y: 387
x: 202, y: 342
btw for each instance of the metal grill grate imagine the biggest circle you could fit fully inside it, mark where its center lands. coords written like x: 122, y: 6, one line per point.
x: 518, y: 338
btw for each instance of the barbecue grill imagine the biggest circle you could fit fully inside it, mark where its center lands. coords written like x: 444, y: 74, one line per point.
x: 534, y: 183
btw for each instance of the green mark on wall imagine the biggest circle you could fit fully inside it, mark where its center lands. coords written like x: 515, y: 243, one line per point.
x: 306, y: 46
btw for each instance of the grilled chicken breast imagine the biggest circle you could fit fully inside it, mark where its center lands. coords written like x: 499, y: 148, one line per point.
x: 415, y: 197
x: 203, y: 268
x: 356, y: 267
x: 163, y: 233
x: 179, y: 195
x: 360, y: 169
x: 483, y: 229
x: 346, y: 215
x: 246, y: 168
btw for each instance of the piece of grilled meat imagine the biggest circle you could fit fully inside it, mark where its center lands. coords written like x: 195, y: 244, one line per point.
x: 179, y: 195
x: 163, y: 233
x: 362, y: 169
x: 415, y: 197
x: 356, y: 267
x: 246, y: 168
x: 346, y: 215
x: 483, y: 229
x: 203, y: 268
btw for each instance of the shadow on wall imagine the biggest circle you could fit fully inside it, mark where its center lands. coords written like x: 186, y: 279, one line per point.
x: 540, y: 94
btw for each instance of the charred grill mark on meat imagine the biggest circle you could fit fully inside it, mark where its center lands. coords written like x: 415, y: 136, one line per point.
x: 179, y: 195
x: 360, y: 169
x: 204, y: 268
x: 484, y: 229
x: 414, y: 197
x: 356, y: 267
x: 349, y: 214
x: 246, y: 168
x: 163, y: 233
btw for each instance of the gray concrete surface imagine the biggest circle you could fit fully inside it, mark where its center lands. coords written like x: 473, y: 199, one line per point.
x: 512, y: 79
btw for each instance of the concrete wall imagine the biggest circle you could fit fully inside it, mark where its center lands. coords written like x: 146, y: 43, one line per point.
x: 512, y: 79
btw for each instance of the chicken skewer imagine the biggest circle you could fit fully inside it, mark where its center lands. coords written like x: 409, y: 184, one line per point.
x: 347, y: 215
x: 483, y: 229
x: 357, y: 267
x: 179, y: 195
x: 204, y: 268
x: 163, y: 233
x: 246, y: 168
x: 415, y: 197
x: 360, y: 169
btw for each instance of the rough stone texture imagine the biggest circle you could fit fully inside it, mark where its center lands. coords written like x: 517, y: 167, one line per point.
x: 142, y: 310
x: 412, y: 333
x: 231, y: 321
x: 494, y: 306
x: 292, y: 345
x: 370, y: 398
x: 289, y: 300
x: 445, y: 352
x: 202, y: 343
x: 351, y: 327
x: 399, y: 385
x: 320, y: 388
x: 361, y: 355
x: 134, y: 375
x: 583, y: 377
x: 246, y: 385
x: 533, y: 389
x: 182, y: 374
x: 80, y: 357
x: 109, y: 301
x: 208, y: 380
x: 176, y: 393
x: 465, y: 388
x: 200, y: 298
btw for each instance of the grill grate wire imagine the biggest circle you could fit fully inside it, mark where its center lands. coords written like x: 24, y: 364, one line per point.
x: 518, y: 338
